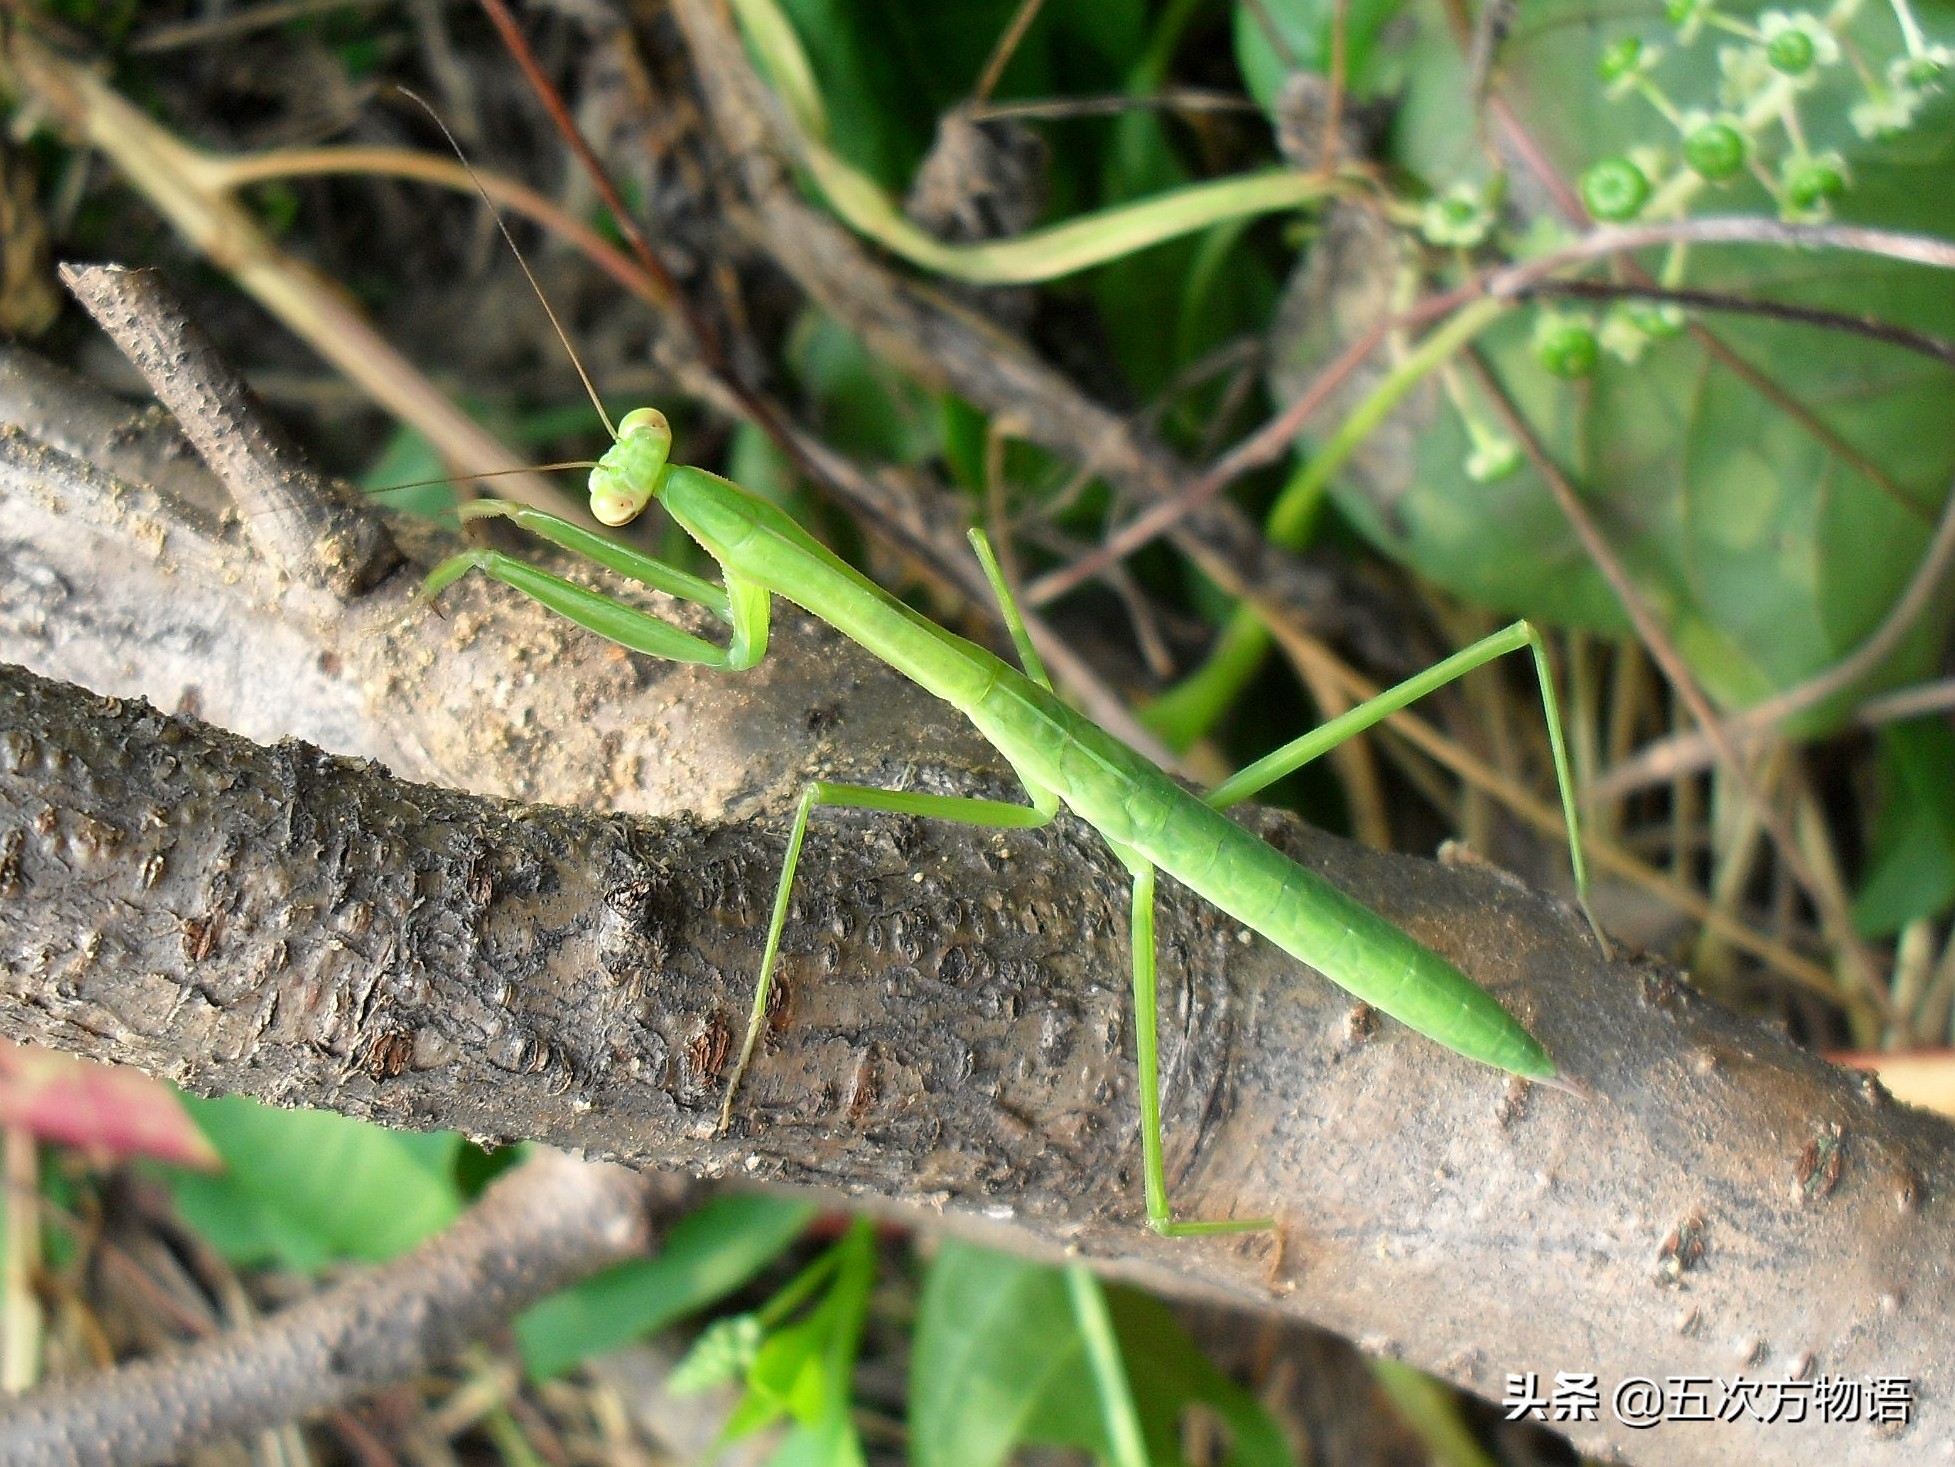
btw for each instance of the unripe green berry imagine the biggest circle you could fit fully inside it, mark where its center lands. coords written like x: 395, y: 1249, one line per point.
x: 1566, y: 345
x: 1715, y: 151
x: 1615, y: 190
x: 1619, y: 58
x: 1792, y: 52
x: 1813, y: 182
x: 1653, y: 318
x: 1921, y: 71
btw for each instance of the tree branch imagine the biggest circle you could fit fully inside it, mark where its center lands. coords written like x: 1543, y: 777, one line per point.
x: 546, y: 1224
x: 955, y: 1033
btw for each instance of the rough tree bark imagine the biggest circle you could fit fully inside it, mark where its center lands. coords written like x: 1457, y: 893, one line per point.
x: 954, y: 1037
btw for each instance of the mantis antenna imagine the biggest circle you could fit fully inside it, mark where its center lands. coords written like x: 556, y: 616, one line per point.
x: 528, y: 274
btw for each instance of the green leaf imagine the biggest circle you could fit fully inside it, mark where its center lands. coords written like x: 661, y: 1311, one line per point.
x: 860, y: 403
x: 829, y: 1442
x: 1304, y: 28
x: 304, y: 1187
x: 708, y: 1255
x: 1168, y: 1373
x: 787, y: 1378
x: 1769, y: 495
x: 993, y: 1334
x: 998, y: 1362
x: 806, y: 1370
x: 1912, y: 870
x: 887, y: 69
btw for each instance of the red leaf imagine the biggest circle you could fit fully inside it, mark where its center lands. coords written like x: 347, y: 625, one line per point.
x: 106, y: 1111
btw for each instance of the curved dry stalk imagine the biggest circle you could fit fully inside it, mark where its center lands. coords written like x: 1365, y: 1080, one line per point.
x: 1687, y: 753
x: 179, y: 182
x: 1620, y: 239
x: 229, y: 174
x: 546, y: 1224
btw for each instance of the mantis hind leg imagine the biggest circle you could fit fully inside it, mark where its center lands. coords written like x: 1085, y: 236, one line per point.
x: 1160, y: 1216
x: 993, y: 814
x: 1325, y: 737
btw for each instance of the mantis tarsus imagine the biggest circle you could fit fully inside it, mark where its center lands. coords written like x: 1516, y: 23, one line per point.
x: 1150, y: 822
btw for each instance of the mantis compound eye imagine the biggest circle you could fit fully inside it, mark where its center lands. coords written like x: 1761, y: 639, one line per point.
x: 628, y: 475
x: 645, y: 420
x: 612, y: 501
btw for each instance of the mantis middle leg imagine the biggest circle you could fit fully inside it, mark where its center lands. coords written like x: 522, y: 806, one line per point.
x: 1160, y: 1215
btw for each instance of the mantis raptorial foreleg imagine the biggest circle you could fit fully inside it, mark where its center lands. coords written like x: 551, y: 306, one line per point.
x: 739, y: 604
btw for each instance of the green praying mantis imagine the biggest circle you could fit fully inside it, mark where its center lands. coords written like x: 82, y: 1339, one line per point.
x: 1150, y: 822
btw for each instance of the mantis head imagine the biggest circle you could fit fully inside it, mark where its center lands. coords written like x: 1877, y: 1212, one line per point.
x: 628, y: 476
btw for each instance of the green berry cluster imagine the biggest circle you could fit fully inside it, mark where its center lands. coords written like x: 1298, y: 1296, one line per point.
x: 1752, y: 128
x: 1756, y: 128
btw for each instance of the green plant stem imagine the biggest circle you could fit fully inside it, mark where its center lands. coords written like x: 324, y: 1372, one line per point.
x: 1129, y: 1448
x: 1431, y: 1409
x: 1043, y: 254
x: 1189, y: 709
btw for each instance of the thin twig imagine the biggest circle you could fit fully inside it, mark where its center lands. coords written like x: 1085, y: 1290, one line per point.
x: 1827, y: 899
x: 1332, y: 150
x: 518, y: 198
x: 548, y: 1223
x: 1620, y: 239
x: 1264, y: 446
x: 1007, y: 47
x: 1683, y: 753
x: 313, y: 529
x: 1936, y: 697
x: 203, y: 32
x: 1939, y: 348
x: 1174, y: 99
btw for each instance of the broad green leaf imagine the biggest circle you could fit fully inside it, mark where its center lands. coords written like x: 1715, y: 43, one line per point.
x: 304, y: 1187
x: 887, y: 69
x: 1912, y: 870
x: 707, y: 1256
x: 1168, y: 1372
x: 993, y: 1333
x: 1770, y: 498
x: 1304, y: 30
x: 828, y: 1442
x: 998, y: 1362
